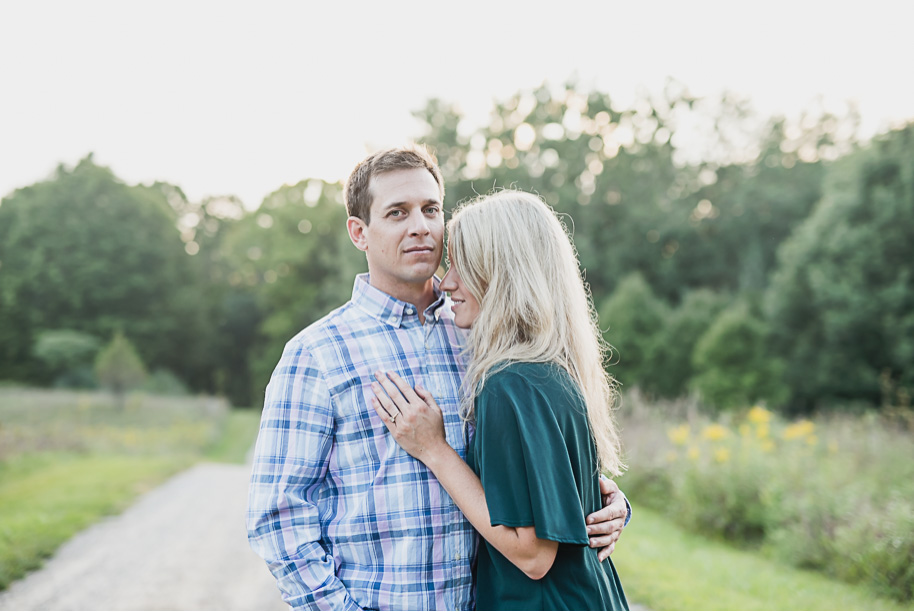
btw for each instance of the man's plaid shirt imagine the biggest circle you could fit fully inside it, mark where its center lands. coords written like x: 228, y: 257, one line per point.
x: 343, y: 516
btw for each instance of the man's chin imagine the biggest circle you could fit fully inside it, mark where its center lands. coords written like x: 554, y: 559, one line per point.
x: 422, y: 273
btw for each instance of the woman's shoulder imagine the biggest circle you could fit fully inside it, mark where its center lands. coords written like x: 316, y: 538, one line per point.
x: 538, y: 372
x: 524, y: 373
x: 528, y: 378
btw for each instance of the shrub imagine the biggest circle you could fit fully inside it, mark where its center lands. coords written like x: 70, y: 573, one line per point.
x: 164, y: 382
x: 67, y: 354
x: 671, y: 356
x: 732, y: 365
x: 832, y: 494
x: 119, y: 367
x: 633, y: 317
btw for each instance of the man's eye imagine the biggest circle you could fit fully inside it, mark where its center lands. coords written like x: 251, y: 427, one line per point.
x: 395, y: 213
x: 432, y: 210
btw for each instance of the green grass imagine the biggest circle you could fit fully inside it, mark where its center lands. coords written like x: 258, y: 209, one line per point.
x: 45, y: 499
x: 237, y: 438
x: 664, y: 567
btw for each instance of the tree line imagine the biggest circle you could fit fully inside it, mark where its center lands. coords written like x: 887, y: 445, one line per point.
x: 745, y: 259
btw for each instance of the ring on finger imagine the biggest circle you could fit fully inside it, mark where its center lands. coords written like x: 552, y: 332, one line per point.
x: 393, y: 418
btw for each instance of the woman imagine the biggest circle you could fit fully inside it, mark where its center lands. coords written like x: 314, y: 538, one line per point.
x: 540, y: 400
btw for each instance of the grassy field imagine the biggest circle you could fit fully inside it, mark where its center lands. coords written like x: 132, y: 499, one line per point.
x: 69, y: 458
x: 238, y: 437
x: 665, y: 567
x: 832, y: 492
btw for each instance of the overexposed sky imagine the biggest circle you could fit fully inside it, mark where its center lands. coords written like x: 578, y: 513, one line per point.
x: 223, y: 97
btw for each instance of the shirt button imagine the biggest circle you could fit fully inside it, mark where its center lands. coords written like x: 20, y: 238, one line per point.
x: 409, y: 311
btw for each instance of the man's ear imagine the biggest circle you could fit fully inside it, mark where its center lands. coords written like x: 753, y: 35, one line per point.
x: 358, y: 233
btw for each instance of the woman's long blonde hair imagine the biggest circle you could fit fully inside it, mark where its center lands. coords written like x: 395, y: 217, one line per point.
x: 515, y: 257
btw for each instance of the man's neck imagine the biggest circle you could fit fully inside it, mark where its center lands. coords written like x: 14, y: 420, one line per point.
x: 421, y: 296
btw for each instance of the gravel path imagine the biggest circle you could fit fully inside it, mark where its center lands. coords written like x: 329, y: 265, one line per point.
x: 180, y: 547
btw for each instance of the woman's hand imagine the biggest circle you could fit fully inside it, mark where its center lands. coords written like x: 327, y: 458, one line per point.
x: 412, y: 416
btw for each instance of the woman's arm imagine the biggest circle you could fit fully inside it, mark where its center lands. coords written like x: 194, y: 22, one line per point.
x: 415, y: 420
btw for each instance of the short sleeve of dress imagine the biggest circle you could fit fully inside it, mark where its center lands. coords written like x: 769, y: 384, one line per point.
x: 524, y: 463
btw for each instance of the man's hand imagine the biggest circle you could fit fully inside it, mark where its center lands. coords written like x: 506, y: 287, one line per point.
x: 605, y: 526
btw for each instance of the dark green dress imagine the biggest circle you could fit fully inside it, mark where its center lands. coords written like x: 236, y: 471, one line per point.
x: 537, y: 463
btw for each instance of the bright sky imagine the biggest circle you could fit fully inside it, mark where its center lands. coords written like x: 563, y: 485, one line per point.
x: 225, y: 97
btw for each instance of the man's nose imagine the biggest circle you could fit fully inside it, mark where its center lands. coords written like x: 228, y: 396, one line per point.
x: 418, y: 225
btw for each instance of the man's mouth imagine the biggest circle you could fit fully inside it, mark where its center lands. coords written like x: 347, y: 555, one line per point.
x: 420, y: 250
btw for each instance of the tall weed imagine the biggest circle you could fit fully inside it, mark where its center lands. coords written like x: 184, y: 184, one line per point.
x: 832, y: 493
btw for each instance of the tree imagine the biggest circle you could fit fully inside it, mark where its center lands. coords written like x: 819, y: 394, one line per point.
x: 68, y: 355
x: 83, y: 251
x: 293, y: 254
x: 732, y: 364
x: 609, y: 170
x: 842, y: 300
x: 633, y: 319
x: 671, y: 354
x: 119, y: 368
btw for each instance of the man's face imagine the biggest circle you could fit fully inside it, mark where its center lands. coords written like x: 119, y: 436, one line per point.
x: 403, y: 242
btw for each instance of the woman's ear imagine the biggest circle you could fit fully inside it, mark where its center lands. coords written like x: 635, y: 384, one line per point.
x: 358, y: 233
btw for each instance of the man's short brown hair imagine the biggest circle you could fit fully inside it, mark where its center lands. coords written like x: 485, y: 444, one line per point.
x: 357, y: 190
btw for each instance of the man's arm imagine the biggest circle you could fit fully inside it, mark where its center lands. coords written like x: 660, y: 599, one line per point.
x: 605, y: 526
x: 290, y: 462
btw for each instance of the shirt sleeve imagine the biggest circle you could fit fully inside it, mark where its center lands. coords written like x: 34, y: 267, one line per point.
x: 290, y: 462
x: 525, y: 464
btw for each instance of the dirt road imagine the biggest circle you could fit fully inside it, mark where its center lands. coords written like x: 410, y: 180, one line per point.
x: 180, y: 547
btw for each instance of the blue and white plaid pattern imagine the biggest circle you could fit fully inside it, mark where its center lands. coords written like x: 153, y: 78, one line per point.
x: 343, y: 516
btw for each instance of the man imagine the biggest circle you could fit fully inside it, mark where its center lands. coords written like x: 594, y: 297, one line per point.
x: 343, y: 516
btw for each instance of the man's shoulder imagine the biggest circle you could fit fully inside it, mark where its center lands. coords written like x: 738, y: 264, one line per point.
x: 329, y: 329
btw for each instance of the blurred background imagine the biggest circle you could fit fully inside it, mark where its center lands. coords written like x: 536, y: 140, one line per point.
x: 738, y: 180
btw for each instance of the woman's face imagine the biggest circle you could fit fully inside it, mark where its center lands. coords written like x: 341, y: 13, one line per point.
x: 464, y: 305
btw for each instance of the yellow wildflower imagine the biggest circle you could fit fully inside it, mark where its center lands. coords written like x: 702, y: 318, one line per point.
x: 833, y: 447
x: 745, y: 430
x: 694, y: 453
x: 762, y: 431
x: 679, y: 435
x: 722, y: 455
x: 715, y: 432
x: 672, y: 456
x: 800, y: 429
x: 131, y: 437
x: 812, y: 440
x: 759, y: 415
x: 767, y: 445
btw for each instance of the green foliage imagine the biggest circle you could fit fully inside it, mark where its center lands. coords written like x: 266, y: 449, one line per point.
x: 732, y: 364
x: 293, y: 254
x: 163, y: 382
x: 638, y: 201
x: 609, y: 169
x: 671, y: 356
x: 633, y: 318
x: 85, y: 252
x: 832, y: 494
x: 119, y: 367
x: 68, y: 356
x: 688, y: 193
x: 238, y: 437
x: 226, y: 331
x: 842, y: 301
x: 666, y: 567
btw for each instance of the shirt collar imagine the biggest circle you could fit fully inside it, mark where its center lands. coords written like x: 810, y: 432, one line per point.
x: 388, y: 309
